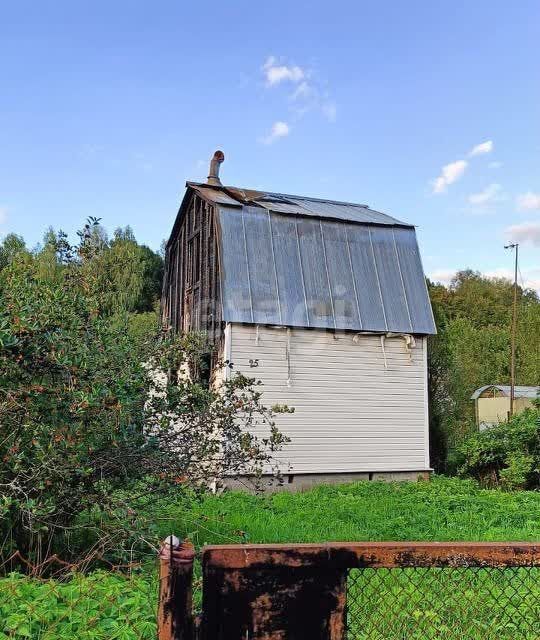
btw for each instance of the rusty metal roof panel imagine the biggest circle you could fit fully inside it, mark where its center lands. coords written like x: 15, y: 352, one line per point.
x: 297, y: 205
x: 289, y: 270
x: 216, y: 195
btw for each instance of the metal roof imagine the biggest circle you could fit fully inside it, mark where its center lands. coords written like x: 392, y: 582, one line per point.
x: 519, y: 391
x: 295, y: 205
x: 305, y: 271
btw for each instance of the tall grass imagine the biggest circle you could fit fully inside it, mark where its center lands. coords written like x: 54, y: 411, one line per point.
x: 400, y: 605
x: 443, y: 509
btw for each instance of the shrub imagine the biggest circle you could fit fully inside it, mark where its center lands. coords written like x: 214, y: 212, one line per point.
x: 99, y: 606
x: 505, y: 455
x: 82, y: 422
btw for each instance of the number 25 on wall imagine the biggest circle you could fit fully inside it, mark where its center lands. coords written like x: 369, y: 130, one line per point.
x: 254, y: 363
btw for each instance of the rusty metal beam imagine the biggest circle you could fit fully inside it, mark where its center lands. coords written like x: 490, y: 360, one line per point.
x: 343, y: 555
x: 280, y: 604
x: 175, y: 607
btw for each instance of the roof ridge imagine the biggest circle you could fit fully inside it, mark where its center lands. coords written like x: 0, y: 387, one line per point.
x: 326, y: 200
x: 264, y: 194
x: 319, y: 207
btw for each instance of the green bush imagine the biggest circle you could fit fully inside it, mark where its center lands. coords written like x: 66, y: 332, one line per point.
x: 99, y: 606
x: 88, y: 415
x: 506, y: 455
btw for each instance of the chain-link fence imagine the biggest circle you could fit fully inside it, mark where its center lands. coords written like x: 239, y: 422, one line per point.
x: 373, y: 591
x: 364, y: 591
x: 438, y: 602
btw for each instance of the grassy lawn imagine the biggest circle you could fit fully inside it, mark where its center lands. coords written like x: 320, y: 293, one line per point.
x: 442, y: 509
x: 389, y: 605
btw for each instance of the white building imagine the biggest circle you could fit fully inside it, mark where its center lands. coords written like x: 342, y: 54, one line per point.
x: 326, y: 303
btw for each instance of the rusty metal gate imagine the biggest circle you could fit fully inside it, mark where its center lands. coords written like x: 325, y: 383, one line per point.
x: 362, y: 591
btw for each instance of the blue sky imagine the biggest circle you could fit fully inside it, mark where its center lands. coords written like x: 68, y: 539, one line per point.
x: 107, y: 108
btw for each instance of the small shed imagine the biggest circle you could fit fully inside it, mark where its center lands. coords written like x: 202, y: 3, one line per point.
x: 326, y: 303
x: 492, y: 402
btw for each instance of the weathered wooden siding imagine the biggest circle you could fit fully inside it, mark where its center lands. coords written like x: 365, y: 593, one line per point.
x: 191, y: 289
x: 351, y: 412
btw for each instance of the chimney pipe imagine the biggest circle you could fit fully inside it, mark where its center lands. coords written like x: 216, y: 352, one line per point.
x: 213, y: 176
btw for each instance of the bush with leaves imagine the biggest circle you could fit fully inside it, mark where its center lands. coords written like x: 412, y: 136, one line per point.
x: 82, y: 424
x: 472, y: 349
x: 506, y: 455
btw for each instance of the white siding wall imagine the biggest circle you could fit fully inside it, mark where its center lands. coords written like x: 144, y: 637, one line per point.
x: 352, y: 413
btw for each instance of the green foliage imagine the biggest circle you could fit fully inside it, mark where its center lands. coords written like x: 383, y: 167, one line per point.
x: 471, y: 349
x: 518, y: 470
x: 99, y: 606
x: 71, y: 401
x: 449, y: 603
x: 10, y: 247
x: 507, y: 454
x: 87, y: 410
x: 126, y: 276
x: 442, y: 509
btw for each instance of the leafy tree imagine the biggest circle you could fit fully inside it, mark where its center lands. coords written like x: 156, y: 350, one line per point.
x: 123, y: 274
x: 86, y: 415
x: 472, y: 348
x: 11, y: 246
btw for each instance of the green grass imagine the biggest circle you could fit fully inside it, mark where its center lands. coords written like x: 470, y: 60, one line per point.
x: 444, y: 509
x: 454, y: 604
x: 384, y: 605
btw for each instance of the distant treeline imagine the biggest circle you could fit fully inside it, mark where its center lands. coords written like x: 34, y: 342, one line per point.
x: 126, y: 276
x: 472, y: 349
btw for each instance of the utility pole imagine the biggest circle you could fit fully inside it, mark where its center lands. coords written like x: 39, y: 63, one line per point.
x: 515, y: 247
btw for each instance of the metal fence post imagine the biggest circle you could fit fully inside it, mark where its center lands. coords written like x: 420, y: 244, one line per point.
x: 175, y: 608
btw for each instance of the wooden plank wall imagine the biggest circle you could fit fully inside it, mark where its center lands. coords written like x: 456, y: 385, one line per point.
x: 191, y: 289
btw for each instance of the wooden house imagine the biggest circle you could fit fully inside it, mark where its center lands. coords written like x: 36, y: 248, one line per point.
x: 326, y: 303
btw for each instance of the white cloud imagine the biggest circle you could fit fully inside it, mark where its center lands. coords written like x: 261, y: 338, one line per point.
x: 524, y: 233
x: 499, y: 272
x: 3, y: 215
x: 483, y: 147
x: 279, y: 130
x: 276, y: 73
x: 495, y: 165
x: 307, y: 94
x: 449, y: 174
x: 303, y: 90
x: 528, y: 201
x: 442, y: 276
x: 531, y: 277
x: 491, y: 194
